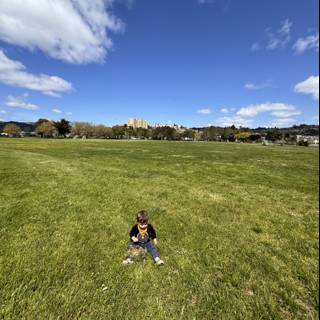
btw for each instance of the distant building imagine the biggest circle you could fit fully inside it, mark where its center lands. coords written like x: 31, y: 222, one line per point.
x: 177, y: 127
x: 138, y: 123
x: 310, y: 139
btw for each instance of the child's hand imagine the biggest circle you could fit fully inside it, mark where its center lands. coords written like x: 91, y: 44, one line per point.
x: 155, y: 241
x: 134, y: 239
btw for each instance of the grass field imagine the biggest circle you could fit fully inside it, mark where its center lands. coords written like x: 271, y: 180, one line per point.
x: 237, y: 226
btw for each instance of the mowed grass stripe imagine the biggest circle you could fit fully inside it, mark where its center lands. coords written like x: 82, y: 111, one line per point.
x: 237, y: 225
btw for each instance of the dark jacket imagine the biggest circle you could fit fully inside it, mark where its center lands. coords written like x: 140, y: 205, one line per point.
x: 150, y: 231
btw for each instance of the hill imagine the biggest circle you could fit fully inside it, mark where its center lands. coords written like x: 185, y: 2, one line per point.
x: 25, y: 126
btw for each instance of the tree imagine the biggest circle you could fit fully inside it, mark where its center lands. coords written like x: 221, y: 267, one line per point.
x: 41, y: 120
x: 188, y: 134
x: 211, y: 134
x: 274, y: 135
x: 289, y: 138
x: 142, y: 133
x: 130, y: 132
x: 243, y: 136
x: 101, y: 131
x: 107, y: 133
x: 46, y: 129
x: 118, y: 132
x: 254, y: 137
x: 303, y: 143
x: 84, y: 129
x: 165, y: 133
x: 157, y: 134
x: 12, y: 130
x: 228, y: 134
x: 63, y: 126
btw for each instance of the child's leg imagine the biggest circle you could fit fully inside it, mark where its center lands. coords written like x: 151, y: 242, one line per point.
x: 131, y: 247
x: 152, y: 250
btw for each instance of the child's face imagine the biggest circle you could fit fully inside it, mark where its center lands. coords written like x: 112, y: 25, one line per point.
x: 143, y: 224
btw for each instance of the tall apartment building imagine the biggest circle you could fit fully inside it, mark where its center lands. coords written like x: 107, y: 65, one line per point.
x: 138, y: 123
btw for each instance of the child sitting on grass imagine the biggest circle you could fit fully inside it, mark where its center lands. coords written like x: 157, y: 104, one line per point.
x: 141, y: 235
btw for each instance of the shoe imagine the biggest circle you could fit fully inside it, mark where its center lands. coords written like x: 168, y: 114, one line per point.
x: 127, y: 262
x: 159, y: 262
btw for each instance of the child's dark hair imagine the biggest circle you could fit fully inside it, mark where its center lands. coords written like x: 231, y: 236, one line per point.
x: 142, y: 216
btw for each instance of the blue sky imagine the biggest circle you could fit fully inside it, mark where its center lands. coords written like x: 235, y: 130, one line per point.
x: 192, y: 62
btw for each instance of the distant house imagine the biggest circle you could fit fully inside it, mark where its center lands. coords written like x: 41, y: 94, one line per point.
x: 310, y: 139
x: 28, y: 134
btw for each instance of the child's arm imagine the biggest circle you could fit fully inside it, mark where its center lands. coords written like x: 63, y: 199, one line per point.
x: 134, y: 239
x: 133, y: 233
x: 153, y: 234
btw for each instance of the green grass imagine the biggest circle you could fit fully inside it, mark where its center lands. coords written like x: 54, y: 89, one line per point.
x: 237, y: 227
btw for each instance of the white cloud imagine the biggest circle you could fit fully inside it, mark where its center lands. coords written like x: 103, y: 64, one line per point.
x: 255, y: 46
x: 283, y: 122
x: 281, y: 38
x: 13, y: 73
x: 204, y: 111
x: 20, y: 102
x: 236, y: 121
x: 252, y: 86
x: 3, y: 112
x: 309, y: 86
x: 75, y: 31
x: 285, y: 113
x: 56, y: 111
x: 226, y: 110
x: 253, y: 110
x: 129, y: 3
x: 222, y: 4
x: 310, y: 42
x: 59, y: 111
x: 52, y: 94
x: 205, y: 1
x: 1, y: 119
x: 286, y: 26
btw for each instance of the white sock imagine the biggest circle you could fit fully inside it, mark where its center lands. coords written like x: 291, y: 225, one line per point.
x: 156, y: 259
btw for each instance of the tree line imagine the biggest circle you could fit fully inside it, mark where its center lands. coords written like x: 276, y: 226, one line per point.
x: 63, y: 128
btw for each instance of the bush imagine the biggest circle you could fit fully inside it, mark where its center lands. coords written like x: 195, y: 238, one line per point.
x: 303, y: 143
